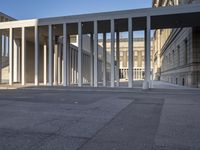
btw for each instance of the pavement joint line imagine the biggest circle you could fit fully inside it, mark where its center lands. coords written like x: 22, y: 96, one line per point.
x: 105, y: 125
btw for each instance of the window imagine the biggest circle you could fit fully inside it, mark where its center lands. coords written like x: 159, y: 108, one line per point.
x: 136, y: 63
x: 166, y: 59
x: 178, y: 54
x: 143, y: 53
x: 173, y: 56
x: 121, y: 54
x: 142, y: 63
x: 73, y: 39
x: 136, y: 53
x: 186, y: 51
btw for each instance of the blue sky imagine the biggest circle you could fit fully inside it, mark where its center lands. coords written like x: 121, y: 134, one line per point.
x: 29, y: 9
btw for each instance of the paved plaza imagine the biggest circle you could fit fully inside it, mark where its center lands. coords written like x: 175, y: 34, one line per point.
x: 58, y: 118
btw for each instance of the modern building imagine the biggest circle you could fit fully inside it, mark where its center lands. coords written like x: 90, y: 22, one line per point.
x: 4, y: 47
x: 177, y: 51
x: 47, y: 51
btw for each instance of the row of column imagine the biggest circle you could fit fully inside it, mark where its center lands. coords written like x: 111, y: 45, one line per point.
x: 93, y: 56
x: 3, y: 51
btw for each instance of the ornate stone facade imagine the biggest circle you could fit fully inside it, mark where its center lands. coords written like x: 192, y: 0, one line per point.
x: 138, y: 61
x: 177, y: 51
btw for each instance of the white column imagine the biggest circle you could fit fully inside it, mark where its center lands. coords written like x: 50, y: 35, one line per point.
x: 112, y: 53
x: 45, y: 64
x: 130, y: 53
x: 15, y: 61
x: 36, y: 56
x: 5, y: 45
x: 18, y: 62
x: 72, y: 57
x: 56, y: 64
x: 65, y: 60
x: 11, y: 56
x: 50, y: 56
x: 104, y: 59
x: 95, y: 54
x: 91, y: 60
x: 80, y: 54
x: 117, y: 60
x: 59, y: 62
x: 75, y: 69
x: 68, y: 59
x: 1, y: 47
x: 146, y: 83
x: 23, y: 56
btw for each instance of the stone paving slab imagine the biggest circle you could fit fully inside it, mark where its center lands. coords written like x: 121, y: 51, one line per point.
x: 43, y: 119
x: 31, y: 120
x: 134, y: 128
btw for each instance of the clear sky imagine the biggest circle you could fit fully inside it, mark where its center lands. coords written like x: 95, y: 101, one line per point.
x: 29, y: 9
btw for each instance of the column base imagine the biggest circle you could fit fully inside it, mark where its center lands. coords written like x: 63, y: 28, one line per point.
x: 50, y: 84
x: 95, y: 85
x: 64, y: 84
x: 146, y: 85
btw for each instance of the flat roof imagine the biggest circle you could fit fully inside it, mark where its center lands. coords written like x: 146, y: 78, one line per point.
x: 161, y: 17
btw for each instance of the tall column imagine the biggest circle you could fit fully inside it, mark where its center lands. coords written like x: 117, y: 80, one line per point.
x: 95, y: 54
x: 130, y: 53
x: 91, y: 60
x: 104, y: 59
x: 11, y: 56
x: 146, y: 83
x: 56, y: 64
x: 50, y: 56
x: 45, y: 64
x: 36, y: 56
x: 59, y: 62
x: 4, y: 45
x: 112, y: 53
x: 7, y: 46
x: 16, y: 61
x: 65, y: 76
x: 75, y: 69
x: 158, y: 48
x: 117, y: 53
x: 80, y: 54
x: 72, y: 62
x: 1, y: 46
x: 23, y: 56
x: 68, y: 59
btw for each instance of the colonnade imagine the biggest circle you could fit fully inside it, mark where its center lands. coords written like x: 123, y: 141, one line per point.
x: 3, y: 52
x: 61, y: 57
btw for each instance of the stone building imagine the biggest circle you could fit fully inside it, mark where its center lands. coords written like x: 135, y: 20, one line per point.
x: 138, y: 59
x: 42, y: 51
x: 176, y: 56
